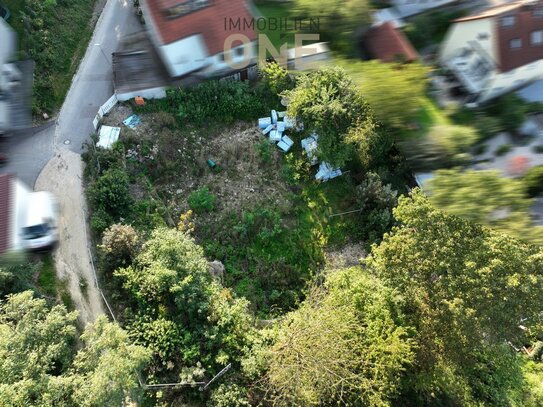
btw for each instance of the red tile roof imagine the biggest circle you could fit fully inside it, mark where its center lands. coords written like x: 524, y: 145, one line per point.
x: 386, y: 43
x: 211, y: 22
x: 5, y: 209
x: 525, y: 24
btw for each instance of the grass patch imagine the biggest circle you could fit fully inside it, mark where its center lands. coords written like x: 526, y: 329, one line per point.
x: 56, y: 53
x: 47, y: 279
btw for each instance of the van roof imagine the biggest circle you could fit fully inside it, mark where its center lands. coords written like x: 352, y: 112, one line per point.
x: 40, y: 206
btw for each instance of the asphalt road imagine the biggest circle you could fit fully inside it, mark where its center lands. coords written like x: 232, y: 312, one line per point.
x: 29, y: 151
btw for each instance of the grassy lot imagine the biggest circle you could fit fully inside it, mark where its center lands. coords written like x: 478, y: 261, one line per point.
x: 260, y: 212
x: 56, y: 38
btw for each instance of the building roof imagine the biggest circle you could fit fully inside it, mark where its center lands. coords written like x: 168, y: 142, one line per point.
x: 386, y: 43
x: 491, y: 12
x: 212, y: 21
x: 136, y: 66
x: 5, y: 209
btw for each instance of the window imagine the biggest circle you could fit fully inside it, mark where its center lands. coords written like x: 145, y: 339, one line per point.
x: 186, y: 7
x: 536, y: 37
x: 515, y: 43
x: 538, y: 11
x: 221, y: 57
x: 239, y: 51
x: 508, y: 21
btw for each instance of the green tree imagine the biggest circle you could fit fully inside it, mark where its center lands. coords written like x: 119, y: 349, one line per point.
x: 110, y: 193
x: 328, y: 101
x: 376, y: 201
x: 179, y: 311
x: 395, y: 92
x: 37, y: 344
x: 341, y: 347
x: 466, y: 289
x: 119, y: 246
x: 339, y: 20
x: 104, y: 370
x: 276, y: 77
x: 443, y: 145
x: 486, y: 198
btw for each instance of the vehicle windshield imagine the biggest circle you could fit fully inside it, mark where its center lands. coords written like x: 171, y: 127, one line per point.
x: 35, y: 232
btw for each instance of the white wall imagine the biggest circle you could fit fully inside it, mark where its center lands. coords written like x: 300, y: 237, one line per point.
x: 508, y: 81
x: 153, y: 93
x: 185, y: 56
x: 460, y: 34
x: 217, y: 64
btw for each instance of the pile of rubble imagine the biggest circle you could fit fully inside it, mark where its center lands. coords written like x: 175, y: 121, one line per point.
x: 276, y: 125
x: 274, y: 128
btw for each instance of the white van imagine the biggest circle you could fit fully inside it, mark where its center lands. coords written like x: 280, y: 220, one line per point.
x: 40, y: 227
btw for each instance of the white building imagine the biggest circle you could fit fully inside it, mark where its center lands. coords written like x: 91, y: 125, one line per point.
x: 208, y: 37
x: 497, y: 50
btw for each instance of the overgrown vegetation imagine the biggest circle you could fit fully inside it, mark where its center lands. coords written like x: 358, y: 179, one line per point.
x: 55, y: 35
x: 271, y: 306
x: 430, y: 27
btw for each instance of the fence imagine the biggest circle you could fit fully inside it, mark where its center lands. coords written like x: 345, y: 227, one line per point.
x: 104, y: 109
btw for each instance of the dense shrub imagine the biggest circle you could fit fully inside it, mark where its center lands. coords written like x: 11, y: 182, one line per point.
x: 276, y: 77
x: 119, y: 245
x: 202, y: 200
x: 376, y: 201
x: 229, y: 395
x: 533, y: 180
x: 110, y: 197
x: 221, y: 101
x: 430, y: 27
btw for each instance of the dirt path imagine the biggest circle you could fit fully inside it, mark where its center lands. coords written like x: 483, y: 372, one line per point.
x: 63, y: 177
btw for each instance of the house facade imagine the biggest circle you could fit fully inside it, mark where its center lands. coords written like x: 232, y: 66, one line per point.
x: 496, y: 51
x: 208, y: 37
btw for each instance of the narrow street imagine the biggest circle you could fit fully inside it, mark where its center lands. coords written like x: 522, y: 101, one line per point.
x: 49, y: 158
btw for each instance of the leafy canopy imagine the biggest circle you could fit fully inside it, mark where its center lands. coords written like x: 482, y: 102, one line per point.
x: 487, y: 198
x: 466, y: 289
x: 328, y: 101
x: 37, y: 367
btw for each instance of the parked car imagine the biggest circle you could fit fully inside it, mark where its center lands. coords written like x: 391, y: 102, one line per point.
x: 40, y: 228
